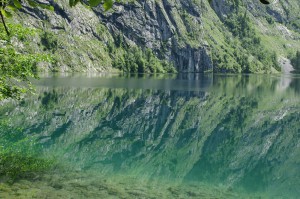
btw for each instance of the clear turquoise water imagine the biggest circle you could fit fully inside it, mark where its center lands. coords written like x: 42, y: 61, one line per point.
x: 185, y: 136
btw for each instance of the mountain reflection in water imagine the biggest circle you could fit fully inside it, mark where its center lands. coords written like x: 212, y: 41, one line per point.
x: 240, y: 132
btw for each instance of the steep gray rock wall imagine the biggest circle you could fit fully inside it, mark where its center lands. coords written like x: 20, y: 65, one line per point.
x: 189, y: 34
x: 159, y: 25
x: 80, y: 36
x: 281, y: 11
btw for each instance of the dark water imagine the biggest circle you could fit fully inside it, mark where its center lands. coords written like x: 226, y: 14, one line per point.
x: 183, y: 136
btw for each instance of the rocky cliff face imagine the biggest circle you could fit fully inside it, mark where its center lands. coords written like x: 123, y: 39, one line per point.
x: 194, y: 36
x: 159, y: 25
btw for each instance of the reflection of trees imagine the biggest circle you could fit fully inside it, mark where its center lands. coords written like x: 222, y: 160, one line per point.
x: 256, y: 85
x: 176, y: 134
x: 48, y: 98
x: 295, y: 84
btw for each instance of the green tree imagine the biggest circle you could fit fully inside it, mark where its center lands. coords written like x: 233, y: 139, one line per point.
x: 15, y: 70
x: 17, y: 67
x: 296, y: 61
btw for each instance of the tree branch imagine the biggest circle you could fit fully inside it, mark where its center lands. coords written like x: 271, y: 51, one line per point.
x: 3, y: 22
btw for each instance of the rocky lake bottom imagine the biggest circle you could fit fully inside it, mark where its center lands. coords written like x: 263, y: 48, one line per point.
x: 89, y: 185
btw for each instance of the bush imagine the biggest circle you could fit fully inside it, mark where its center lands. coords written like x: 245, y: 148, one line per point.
x: 16, y: 67
x: 49, y: 41
x: 296, y: 61
x: 135, y: 60
x: 270, y: 19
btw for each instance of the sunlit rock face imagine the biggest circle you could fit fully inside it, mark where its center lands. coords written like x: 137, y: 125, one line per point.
x: 241, y: 132
x: 161, y: 26
x: 274, y: 8
x: 188, y: 34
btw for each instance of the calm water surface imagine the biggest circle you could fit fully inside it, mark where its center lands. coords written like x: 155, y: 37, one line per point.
x: 183, y: 136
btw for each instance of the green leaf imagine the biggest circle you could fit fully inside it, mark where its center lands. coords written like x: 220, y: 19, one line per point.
x: 73, y: 2
x: 3, y: 3
x: 94, y: 3
x: 32, y: 3
x: 47, y: 7
x: 6, y: 13
x: 107, y: 4
x: 12, y: 7
x: 76, y: 2
x: 17, y: 4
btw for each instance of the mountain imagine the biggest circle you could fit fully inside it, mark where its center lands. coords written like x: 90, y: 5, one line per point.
x: 163, y: 36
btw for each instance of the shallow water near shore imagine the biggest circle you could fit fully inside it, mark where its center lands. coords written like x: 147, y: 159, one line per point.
x: 182, y: 136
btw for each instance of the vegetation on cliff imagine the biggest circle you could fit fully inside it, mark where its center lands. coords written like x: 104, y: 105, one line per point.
x: 18, y: 61
x: 296, y: 61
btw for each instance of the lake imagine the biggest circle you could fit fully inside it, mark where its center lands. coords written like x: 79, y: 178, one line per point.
x: 168, y: 136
